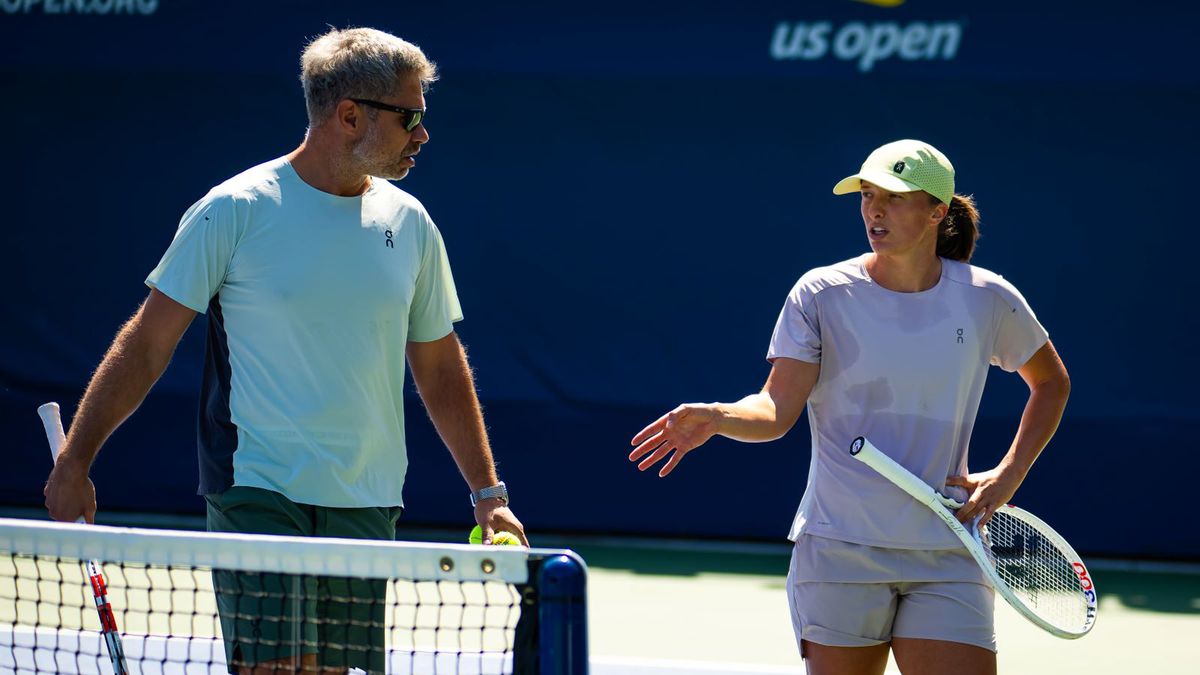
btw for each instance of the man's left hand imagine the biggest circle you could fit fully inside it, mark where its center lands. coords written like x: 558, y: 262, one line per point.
x: 493, y: 515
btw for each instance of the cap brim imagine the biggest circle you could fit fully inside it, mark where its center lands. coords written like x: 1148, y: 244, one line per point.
x: 883, y: 179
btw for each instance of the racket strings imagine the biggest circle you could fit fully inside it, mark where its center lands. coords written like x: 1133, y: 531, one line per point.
x: 1031, y: 564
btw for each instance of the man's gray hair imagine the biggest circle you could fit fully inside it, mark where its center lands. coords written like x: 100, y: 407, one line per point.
x: 358, y: 63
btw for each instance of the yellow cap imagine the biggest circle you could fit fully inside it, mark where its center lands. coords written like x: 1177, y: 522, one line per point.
x: 904, y: 166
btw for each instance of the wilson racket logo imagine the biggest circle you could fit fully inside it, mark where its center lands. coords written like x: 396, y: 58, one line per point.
x: 1089, y: 590
x: 1084, y: 580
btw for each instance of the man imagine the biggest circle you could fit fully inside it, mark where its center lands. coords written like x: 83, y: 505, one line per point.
x: 318, y: 278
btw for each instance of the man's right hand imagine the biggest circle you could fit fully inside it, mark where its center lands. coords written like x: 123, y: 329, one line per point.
x: 69, y: 492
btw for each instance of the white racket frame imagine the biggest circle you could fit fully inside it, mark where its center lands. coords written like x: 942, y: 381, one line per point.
x: 862, y: 450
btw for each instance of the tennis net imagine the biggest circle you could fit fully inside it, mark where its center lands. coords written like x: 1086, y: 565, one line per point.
x: 193, y: 602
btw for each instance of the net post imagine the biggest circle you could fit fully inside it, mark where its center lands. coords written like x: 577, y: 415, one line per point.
x: 562, y: 614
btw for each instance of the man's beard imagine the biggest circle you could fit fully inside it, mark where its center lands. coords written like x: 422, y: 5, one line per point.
x: 373, y: 162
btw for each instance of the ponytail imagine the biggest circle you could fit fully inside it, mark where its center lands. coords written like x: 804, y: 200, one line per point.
x: 959, y: 230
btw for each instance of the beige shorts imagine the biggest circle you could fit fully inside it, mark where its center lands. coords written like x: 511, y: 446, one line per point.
x: 866, y: 614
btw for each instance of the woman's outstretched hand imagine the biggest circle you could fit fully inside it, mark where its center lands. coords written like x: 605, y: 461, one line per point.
x: 675, y: 434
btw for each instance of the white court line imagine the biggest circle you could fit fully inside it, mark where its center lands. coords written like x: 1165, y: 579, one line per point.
x: 614, y: 665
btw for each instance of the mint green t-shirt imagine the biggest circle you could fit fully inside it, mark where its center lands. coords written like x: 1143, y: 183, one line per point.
x: 311, y: 300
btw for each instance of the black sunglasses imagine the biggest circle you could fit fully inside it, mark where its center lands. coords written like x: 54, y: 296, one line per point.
x: 412, y: 116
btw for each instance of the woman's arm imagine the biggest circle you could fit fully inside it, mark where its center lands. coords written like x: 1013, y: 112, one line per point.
x: 764, y: 416
x: 1049, y: 387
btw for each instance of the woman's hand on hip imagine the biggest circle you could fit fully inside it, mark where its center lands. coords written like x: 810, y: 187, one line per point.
x: 989, y: 490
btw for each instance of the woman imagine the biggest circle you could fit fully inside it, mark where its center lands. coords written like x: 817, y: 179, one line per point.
x: 893, y: 345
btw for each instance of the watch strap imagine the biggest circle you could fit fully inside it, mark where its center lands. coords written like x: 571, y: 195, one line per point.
x: 497, y: 491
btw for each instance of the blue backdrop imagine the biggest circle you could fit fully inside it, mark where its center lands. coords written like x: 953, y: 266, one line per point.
x: 627, y: 194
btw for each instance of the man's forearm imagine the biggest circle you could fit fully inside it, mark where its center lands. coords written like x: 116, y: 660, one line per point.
x: 448, y: 390
x: 120, y: 384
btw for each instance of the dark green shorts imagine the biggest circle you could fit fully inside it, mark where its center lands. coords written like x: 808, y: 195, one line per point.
x: 265, y: 617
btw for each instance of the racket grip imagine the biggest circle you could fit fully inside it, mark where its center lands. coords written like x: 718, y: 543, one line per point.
x: 52, y: 423
x: 862, y: 450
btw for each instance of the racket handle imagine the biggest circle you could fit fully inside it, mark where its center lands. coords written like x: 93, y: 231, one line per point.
x: 862, y: 450
x: 52, y: 423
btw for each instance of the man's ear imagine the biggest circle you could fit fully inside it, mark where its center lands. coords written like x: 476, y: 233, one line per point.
x: 349, y: 118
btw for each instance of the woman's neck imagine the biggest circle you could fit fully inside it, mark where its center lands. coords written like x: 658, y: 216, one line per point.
x: 904, y: 274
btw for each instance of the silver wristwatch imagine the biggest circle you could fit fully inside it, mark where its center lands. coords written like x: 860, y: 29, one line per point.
x: 497, y: 491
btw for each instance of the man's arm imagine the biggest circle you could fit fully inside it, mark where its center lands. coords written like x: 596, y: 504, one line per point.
x: 137, y: 357
x: 446, y: 386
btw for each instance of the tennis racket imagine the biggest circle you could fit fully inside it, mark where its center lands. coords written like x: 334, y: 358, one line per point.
x: 52, y: 422
x: 1033, y: 568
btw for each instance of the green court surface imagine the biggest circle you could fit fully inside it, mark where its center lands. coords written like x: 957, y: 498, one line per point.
x: 721, y: 609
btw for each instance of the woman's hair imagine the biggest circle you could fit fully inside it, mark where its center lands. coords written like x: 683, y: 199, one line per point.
x: 361, y: 62
x: 959, y: 230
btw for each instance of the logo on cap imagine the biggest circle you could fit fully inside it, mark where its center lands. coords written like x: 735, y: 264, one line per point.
x: 899, y: 168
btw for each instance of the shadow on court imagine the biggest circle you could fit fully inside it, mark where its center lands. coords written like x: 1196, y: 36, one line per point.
x: 683, y: 563
x: 1155, y: 592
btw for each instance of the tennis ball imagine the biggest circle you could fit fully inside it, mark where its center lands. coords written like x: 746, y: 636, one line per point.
x: 499, y: 538
x: 505, y: 539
